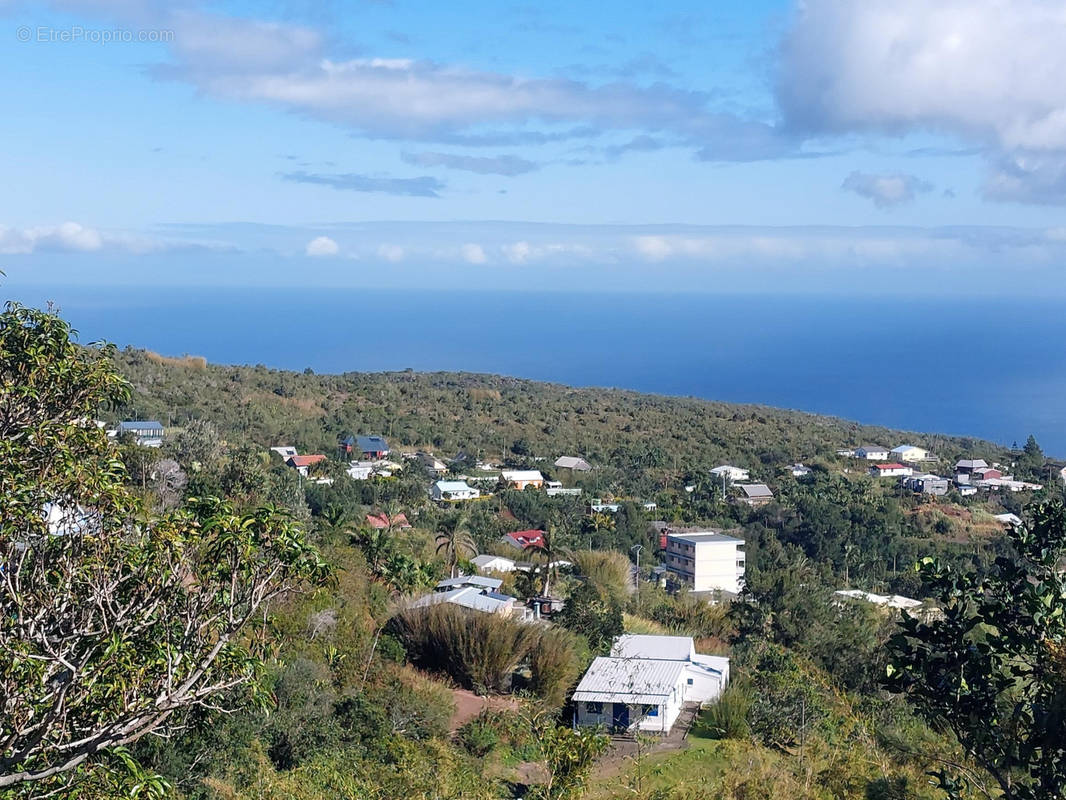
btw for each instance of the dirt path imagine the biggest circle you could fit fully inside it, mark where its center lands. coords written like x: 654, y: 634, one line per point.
x: 469, y: 705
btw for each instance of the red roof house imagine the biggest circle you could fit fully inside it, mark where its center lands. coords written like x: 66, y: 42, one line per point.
x: 524, y: 539
x: 381, y: 521
x: 301, y: 463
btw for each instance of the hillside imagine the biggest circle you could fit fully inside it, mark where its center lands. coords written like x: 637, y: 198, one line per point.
x: 638, y: 441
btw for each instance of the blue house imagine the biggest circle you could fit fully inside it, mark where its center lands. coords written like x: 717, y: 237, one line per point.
x: 368, y: 447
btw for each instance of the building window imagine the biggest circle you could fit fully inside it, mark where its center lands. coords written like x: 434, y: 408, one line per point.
x: 594, y: 708
x: 689, y: 681
x: 651, y: 711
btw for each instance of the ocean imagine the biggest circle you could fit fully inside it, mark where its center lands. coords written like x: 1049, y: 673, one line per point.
x: 991, y: 368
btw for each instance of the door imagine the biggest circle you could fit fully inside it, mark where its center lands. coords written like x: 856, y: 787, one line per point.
x: 620, y: 717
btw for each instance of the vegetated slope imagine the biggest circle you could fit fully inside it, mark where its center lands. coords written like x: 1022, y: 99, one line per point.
x: 641, y: 438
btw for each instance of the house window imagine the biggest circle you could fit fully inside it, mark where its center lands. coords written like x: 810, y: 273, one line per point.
x: 689, y: 681
x: 651, y: 711
x: 594, y: 708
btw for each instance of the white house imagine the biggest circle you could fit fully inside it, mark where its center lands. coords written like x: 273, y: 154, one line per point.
x: 645, y: 682
x: 909, y: 453
x: 799, y: 470
x: 731, y: 473
x: 360, y: 470
x: 285, y: 451
x: 890, y: 470
x: 886, y: 600
x: 872, y: 452
x: 490, y: 563
x: 453, y: 491
x: 706, y: 561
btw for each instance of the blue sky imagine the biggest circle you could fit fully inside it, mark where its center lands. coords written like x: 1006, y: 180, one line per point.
x: 837, y: 145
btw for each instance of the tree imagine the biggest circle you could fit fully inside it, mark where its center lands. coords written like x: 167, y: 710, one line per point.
x: 992, y: 669
x: 592, y: 613
x: 455, y: 541
x: 113, y: 623
x: 168, y: 482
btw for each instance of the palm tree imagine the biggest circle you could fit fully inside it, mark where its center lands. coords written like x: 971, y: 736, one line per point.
x: 551, y: 550
x: 455, y: 541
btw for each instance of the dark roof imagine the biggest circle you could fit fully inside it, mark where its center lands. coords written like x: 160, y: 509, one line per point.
x: 348, y: 441
x: 372, y: 444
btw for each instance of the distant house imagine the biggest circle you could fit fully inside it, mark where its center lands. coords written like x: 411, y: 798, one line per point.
x: 360, y: 470
x: 967, y: 466
x: 597, y: 505
x: 645, y: 682
x: 431, y: 463
x: 490, y: 563
x: 886, y: 600
x: 731, y: 473
x: 303, y: 463
x: 705, y: 560
x: 1009, y: 519
x: 474, y: 592
x: 800, y: 471
x: 927, y: 484
x: 909, y: 453
x: 890, y: 470
x: 366, y: 447
x: 381, y: 521
x: 523, y: 540
x: 557, y: 491
x: 521, y: 478
x: 872, y: 452
x: 284, y: 451
x: 986, y: 474
x: 965, y: 489
x: 754, y: 494
x: 453, y: 491
x: 573, y: 463
x: 148, y: 433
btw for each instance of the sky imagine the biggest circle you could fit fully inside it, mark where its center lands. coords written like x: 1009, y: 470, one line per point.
x: 848, y: 146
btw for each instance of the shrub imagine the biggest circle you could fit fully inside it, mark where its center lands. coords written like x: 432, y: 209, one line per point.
x: 478, y: 650
x: 478, y: 737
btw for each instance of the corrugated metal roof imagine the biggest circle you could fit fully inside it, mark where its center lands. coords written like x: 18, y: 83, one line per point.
x: 453, y: 486
x: 629, y: 680
x: 140, y: 425
x: 470, y: 580
x: 698, y: 537
x: 670, y: 648
x: 756, y: 490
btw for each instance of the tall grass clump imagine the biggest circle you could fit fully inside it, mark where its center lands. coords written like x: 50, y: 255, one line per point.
x: 556, y: 662
x: 728, y: 717
x: 480, y: 651
x: 609, y: 571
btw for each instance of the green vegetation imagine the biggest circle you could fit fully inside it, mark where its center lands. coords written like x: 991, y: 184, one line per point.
x: 328, y: 684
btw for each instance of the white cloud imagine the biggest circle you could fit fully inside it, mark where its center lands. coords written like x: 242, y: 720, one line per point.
x: 988, y: 71
x: 886, y: 190
x: 322, y: 246
x: 69, y: 237
x: 391, y: 252
x: 474, y: 253
x: 518, y: 253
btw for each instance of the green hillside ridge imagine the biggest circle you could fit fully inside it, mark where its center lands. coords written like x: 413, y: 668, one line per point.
x: 639, y: 442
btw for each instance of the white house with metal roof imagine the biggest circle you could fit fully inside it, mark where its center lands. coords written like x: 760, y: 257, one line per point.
x: 872, y: 452
x: 731, y: 473
x: 908, y: 453
x: 453, y: 491
x: 706, y: 561
x: 645, y: 682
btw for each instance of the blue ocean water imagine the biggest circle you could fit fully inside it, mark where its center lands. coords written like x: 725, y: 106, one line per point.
x: 993, y: 368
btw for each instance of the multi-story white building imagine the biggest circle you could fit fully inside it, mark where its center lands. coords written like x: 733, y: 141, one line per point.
x: 706, y: 561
